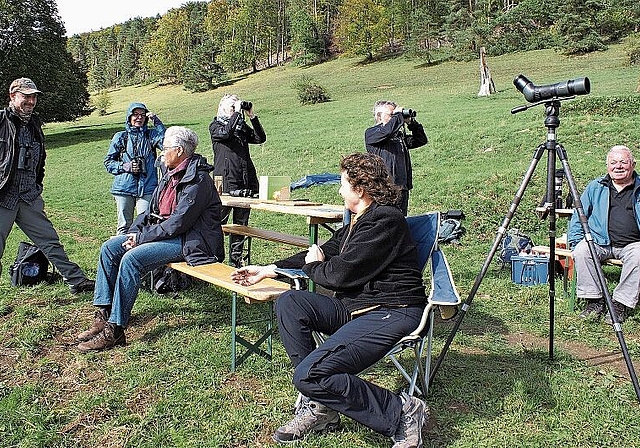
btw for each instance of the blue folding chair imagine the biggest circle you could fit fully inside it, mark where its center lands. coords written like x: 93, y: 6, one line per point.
x: 442, y: 295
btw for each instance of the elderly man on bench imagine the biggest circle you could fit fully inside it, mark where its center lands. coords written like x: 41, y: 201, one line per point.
x: 611, y: 204
x: 182, y: 223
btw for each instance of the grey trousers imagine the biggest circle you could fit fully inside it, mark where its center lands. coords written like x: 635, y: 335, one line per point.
x: 33, y: 221
x: 587, y: 285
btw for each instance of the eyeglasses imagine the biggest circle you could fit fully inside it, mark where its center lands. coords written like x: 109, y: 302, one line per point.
x: 139, y: 114
x: 624, y: 162
x: 167, y: 148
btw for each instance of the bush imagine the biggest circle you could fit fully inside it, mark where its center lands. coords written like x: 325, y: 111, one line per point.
x: 309, y: 92
x: 632, y: 49
x: 101, y: 101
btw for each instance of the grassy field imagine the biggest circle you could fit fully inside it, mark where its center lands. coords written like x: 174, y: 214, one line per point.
x: 171, y: 385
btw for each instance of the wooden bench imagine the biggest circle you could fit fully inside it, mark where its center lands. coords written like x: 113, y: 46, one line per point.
x: 566, y: 257
x: 219, y: 274
x: 249, y: 233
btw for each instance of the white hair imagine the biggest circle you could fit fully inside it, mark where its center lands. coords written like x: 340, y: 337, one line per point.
x: 182, y: 137
x: 225, y: 104
x: 618, y: 148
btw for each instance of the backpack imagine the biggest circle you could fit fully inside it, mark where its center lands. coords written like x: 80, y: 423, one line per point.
x: 166, y: 280
x: 514, y: 242
x: 31, y: 266
x: 451, y: 229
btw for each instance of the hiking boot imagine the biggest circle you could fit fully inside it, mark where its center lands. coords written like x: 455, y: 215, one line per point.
x: 414, y: 415
x: 593, y: 310
x: 619, y: 310
x: 85, y: 285
x: 310, y: 416
x: 110, y: 336
x: 99, y: 322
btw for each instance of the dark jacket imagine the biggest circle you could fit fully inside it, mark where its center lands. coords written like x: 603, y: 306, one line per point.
x: 135, y: 142
x: 196, y: 217
x: 9, y: 150
x: 374, y: 264
x: 231, y: 159
x: 391, y: 143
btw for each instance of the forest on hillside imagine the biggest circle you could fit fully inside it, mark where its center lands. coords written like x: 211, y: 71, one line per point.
x: 205, y: 43
x: 201, y: 43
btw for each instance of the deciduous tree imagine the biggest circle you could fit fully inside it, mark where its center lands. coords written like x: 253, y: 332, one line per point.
x: 32, y: 44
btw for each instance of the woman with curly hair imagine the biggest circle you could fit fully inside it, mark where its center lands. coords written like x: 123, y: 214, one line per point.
x: 372, y: 267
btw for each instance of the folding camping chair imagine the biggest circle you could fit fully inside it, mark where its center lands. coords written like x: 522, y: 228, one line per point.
x: 443, y: 296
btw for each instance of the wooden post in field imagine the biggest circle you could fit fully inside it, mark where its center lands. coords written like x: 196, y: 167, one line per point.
x: 487, y: 87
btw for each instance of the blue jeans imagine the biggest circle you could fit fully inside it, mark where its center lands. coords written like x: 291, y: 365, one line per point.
x: 120, y: 271
x: 328, y: 374
x: 124, y: 208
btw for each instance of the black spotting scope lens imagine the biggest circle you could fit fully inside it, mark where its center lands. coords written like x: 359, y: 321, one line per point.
x: 533, y: 93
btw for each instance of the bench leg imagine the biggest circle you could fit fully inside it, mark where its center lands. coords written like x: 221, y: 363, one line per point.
x: 252, y: 347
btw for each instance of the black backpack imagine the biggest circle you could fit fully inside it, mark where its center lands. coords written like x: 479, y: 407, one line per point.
x: 30, y: 267
x: 166, y: 280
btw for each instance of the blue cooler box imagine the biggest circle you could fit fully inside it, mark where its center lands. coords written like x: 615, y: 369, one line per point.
x: 529, y: 270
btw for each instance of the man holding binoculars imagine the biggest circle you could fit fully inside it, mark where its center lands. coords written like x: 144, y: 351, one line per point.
x: 131, y: 159
x: 388, y: 139
x: 230, y: 137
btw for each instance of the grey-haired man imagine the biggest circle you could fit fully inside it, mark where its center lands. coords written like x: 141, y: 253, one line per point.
x: 22, y: 156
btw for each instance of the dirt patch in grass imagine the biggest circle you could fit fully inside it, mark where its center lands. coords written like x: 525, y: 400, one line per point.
x: 610, y: 359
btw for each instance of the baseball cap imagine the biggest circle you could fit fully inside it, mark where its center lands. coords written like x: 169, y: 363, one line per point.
x: 23, y: 85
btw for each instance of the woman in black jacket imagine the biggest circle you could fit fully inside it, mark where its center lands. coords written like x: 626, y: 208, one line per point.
x: 181, y: 224
x: 230, y: 137
x: 372, y: 266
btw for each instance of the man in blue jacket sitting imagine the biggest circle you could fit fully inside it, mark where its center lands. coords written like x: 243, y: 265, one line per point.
x: 611, y: 204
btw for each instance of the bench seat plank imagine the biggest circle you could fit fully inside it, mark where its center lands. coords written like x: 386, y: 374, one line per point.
x: 219, y: 274
x: 270, y: 235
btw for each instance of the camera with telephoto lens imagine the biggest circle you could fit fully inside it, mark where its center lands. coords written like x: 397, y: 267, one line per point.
x: 408, y: 113
x: 138, y: 166
x: 246, y: 105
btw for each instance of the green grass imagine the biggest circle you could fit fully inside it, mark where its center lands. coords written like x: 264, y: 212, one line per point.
x: 171, y: 385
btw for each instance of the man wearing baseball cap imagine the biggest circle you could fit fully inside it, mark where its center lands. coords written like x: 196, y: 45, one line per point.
x: 22, y: 156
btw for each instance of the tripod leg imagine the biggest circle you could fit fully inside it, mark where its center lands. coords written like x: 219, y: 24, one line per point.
x: 487, y: 262
x: 562, y: 155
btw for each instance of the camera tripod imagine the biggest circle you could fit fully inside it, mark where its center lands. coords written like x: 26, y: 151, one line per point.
x: 553, y: 149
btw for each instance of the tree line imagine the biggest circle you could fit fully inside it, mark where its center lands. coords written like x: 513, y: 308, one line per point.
x: 200, y: 44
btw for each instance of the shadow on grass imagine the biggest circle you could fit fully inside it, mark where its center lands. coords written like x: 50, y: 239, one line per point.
x: 482, y: 387
x: 82, y: 134
x: 201, y: 307
x: 88, y: 134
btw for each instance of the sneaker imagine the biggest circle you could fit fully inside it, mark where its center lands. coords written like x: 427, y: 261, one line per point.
x: 110, y: 336
x: 414, y: 415
x: 310, y: 416
x: 99, y: 322
x: 594, y: 309
x: 619, y: 310
x: 85, y: 285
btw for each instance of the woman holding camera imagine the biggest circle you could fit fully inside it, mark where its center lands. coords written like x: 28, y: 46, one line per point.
x: 230, y: 137
x: 131, y: 159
